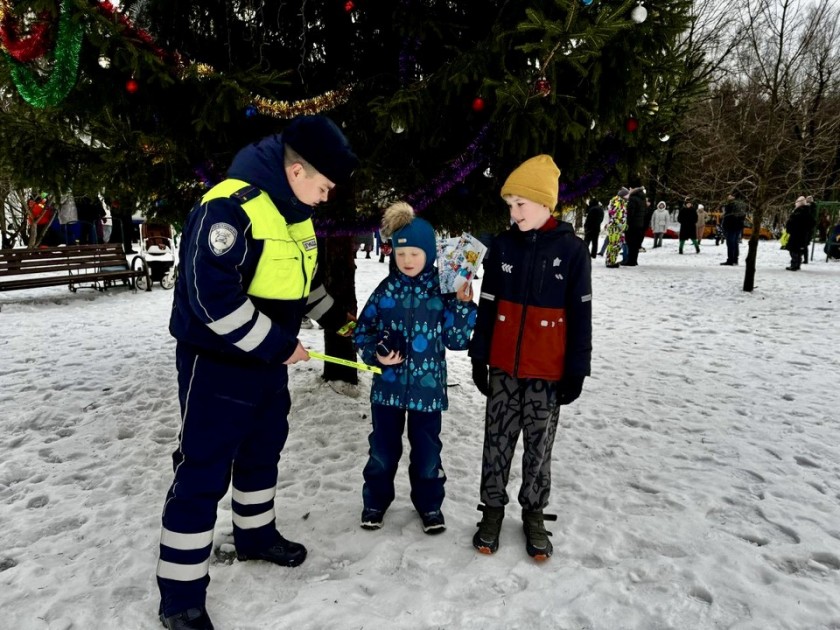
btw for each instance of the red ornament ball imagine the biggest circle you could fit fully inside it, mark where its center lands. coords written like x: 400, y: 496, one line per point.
x: 632, y: 124
x: 478, y: 104
x: 542, y: 87
x: 349, y: 6
x: 131, y: 86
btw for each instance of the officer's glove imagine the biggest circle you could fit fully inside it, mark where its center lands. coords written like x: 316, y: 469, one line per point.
x: 569, y: 389
x: 481, y: 377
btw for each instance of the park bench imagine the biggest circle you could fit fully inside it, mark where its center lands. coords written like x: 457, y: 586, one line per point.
x: 92, y: 266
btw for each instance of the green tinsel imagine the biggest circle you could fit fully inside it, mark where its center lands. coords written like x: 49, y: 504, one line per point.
x: 65, y: 65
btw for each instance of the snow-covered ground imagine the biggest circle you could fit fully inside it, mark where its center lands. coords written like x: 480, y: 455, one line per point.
x: 696, y: 480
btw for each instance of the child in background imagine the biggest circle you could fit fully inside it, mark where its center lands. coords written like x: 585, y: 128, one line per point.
x: 405, y: 327
x: 616, y: 226
x: 534, y: 329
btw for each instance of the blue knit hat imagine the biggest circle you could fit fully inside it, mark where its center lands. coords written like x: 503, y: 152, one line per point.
x: 405, y: 229
x: 319, y: 141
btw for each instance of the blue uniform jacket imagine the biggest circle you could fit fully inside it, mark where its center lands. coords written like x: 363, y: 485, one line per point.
x: 211, y: 311
x: 429, y: 322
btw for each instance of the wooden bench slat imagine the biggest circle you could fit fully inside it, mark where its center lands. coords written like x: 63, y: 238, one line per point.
x: 71, y: 266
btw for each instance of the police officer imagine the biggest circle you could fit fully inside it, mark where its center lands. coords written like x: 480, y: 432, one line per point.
x: 247, y: 279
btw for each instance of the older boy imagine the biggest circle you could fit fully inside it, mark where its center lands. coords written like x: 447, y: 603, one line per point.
x: 534, y: 330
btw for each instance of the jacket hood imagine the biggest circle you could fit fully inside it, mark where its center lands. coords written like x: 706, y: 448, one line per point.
x: 261, y: 165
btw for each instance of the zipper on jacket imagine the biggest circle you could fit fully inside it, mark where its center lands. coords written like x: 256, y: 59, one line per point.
x: 525, y: 304
x: 408, y: 332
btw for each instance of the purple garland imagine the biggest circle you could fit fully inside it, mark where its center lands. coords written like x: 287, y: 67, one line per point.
x: 456, y: 172
x: 583, y: 184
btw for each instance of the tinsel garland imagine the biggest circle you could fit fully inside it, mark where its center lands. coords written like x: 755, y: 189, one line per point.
x: 28, y: 47
x: 65, y: 65
x: 455, y: 172
x: 314, y: 105
x: 131, y: 31
x: 587, y: 182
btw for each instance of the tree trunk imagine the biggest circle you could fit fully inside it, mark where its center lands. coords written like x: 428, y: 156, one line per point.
x: 752, y: 248
x: 337, y: 255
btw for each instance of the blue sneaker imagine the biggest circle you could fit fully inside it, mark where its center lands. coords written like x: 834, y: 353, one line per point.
x: 372, y: 518
x: 433, y: 522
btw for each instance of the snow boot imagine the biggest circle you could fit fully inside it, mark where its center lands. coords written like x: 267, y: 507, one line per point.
x: 537, y: 544
x: 433, y: 522
x: 372, y: 518
x: 486, y: 539
x: 191, y: 619
x: 283, y: 552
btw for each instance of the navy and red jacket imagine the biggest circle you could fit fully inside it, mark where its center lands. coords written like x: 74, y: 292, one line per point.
x: 535, y: 312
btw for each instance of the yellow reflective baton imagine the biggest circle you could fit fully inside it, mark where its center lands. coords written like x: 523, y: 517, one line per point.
x: 353, y: 364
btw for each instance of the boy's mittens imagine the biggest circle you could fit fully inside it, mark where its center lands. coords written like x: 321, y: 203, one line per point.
x: 480, y: 376
x: 569, y: 389
x: 390, y: 341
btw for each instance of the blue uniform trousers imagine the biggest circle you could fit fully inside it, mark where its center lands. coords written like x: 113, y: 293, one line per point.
x: 233, y: 425
x: 425, y: 471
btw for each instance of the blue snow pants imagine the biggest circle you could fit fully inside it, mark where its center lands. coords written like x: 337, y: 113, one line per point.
x: 425, y: 471
x: 233, y: 426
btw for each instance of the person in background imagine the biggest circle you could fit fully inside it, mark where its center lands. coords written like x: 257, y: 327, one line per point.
x: 592, y: 225
x: 90, y: 213
x: 616, y: 225
x: 248, y: 255
x: 406, y: 326
x: 635, y: 232
x: 531, y: 349
x: 68, y: 216
x: 688, y: 225
x: 659, y: 223
x: 702, y: 215
x: 732, y: 225
x: 799, y: 226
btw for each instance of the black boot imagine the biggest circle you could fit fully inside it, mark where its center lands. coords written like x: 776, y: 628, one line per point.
x: 283, y: 552
x: 486, y: 539
x: 191, y: 619
x: 537, y: 544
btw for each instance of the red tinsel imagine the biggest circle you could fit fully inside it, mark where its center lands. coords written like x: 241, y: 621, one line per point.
x: 132, y: 31
x: 29, y: 47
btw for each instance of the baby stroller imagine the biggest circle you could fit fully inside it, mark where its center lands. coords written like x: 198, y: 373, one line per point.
x: 157, y: 248
x: 832, y: 244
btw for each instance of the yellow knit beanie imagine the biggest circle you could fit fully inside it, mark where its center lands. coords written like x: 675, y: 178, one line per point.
x: 535, y: 179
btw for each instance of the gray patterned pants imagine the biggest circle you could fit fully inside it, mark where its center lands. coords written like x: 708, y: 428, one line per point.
x: 519, y: 405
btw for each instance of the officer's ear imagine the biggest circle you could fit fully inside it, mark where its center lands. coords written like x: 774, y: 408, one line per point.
x: 295, y: 171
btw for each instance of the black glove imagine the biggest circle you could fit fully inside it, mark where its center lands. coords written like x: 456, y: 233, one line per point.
x: 481, y: 377
x: 391, y: 340
x: 569, y: 389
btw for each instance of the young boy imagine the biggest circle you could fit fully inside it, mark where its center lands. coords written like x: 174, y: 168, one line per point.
x: 534, y: 329
x: 404, y: 327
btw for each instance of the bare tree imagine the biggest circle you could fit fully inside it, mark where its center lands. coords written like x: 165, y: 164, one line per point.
x: 769, y: 124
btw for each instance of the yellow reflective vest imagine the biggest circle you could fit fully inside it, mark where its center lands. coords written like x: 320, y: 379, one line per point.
x: 290, y: 252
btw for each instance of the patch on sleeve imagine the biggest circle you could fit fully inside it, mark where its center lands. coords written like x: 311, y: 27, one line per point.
x: 586, y: 298
x: 222, y: 237
x: 310, y: 244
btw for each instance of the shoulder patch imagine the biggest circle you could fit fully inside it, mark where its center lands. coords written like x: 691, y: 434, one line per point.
x: 222, y: 237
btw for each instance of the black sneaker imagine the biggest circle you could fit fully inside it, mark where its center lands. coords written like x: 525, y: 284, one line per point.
x: 433, y: 522
x: 537, y: 544
x: 486, y: 539
x: 190, y: 619
x: 372, y: 519
x: 283, y: 552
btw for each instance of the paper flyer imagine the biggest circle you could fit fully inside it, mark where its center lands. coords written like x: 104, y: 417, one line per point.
x: 458, y: 261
